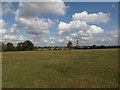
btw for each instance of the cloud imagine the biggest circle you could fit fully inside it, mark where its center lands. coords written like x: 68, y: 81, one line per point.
x: 95, y: 29
x: 36, y: 26
x: 112, y: 33
x: 0, y: 9
x: 2, y: 29
x: 60, y: 41
x: 79, y: 25
x: 33, y: 9
x: 81, y: 35
x: 14, y: 29
x: 37, y: 31
x: 82, y: 31
x: 92, y: 18
x: 64, y: 28
x: 51, y: 41
x: 5, y: 35
x: 28, y: 13
x: 109, y: 37
x: 13, y: 38
x: 7, y: 8
x: 79, y: 28
x: 2, y: 23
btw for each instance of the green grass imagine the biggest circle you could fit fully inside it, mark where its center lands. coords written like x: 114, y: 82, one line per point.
x: 61, y: 69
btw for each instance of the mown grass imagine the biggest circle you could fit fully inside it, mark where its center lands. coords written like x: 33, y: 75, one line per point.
x: 61, y: 69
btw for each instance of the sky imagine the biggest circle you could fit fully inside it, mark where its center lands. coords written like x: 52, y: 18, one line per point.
x: 57, y: 23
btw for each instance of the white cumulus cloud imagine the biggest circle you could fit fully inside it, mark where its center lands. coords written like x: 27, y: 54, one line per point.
x: 64, y: 28
x: 2, y: 29
x: 95, y: 29
x: 33, y: 9
x: 92, y: 18
x: 28, y: 13
x: 37, y: 26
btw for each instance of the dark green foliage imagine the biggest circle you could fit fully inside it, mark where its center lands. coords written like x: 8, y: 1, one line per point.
x: 4, y: 47
x: 102, y: 47
x: 93, y: 47
x: 20, y: 47
x: 35, y: 48
x: 9, y: 47
x: 28, y: 46
x: 69, y: 45
x: 0, y: 46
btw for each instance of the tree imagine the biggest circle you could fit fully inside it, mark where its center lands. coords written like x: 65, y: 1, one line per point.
x: 28, y: 46
x: 4, y: 47
x: 20, y: 47
x: 1, y: 46
x: 10, y: 47
x: 93, y: 47
x: 102, y: 47
x: 69, y: 45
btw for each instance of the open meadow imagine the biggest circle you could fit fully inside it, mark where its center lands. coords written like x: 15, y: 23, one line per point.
x: 90, y: 68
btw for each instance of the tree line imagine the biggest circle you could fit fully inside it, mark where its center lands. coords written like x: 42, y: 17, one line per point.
x: 69, y: 45
x: 25, y: 46
x: 29, y: 46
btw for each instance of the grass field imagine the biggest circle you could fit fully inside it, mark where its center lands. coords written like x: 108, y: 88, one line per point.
x: 61, y: 69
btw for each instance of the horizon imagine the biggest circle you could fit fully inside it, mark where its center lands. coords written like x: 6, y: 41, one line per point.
x: 61, y: 45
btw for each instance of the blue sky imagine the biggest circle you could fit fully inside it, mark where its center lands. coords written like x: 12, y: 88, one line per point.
x: 67, y: 10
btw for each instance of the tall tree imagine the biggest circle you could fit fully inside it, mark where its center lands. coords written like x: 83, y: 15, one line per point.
x: 1, y: 46
x: 28, y: 45
x: 10, y: 47
x: 20, y: 47
x: 69, y: 45
x: 4, y: 47
x: 93, y: 47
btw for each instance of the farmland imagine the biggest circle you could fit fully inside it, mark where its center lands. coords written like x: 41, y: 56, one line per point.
x: 92, y: 68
